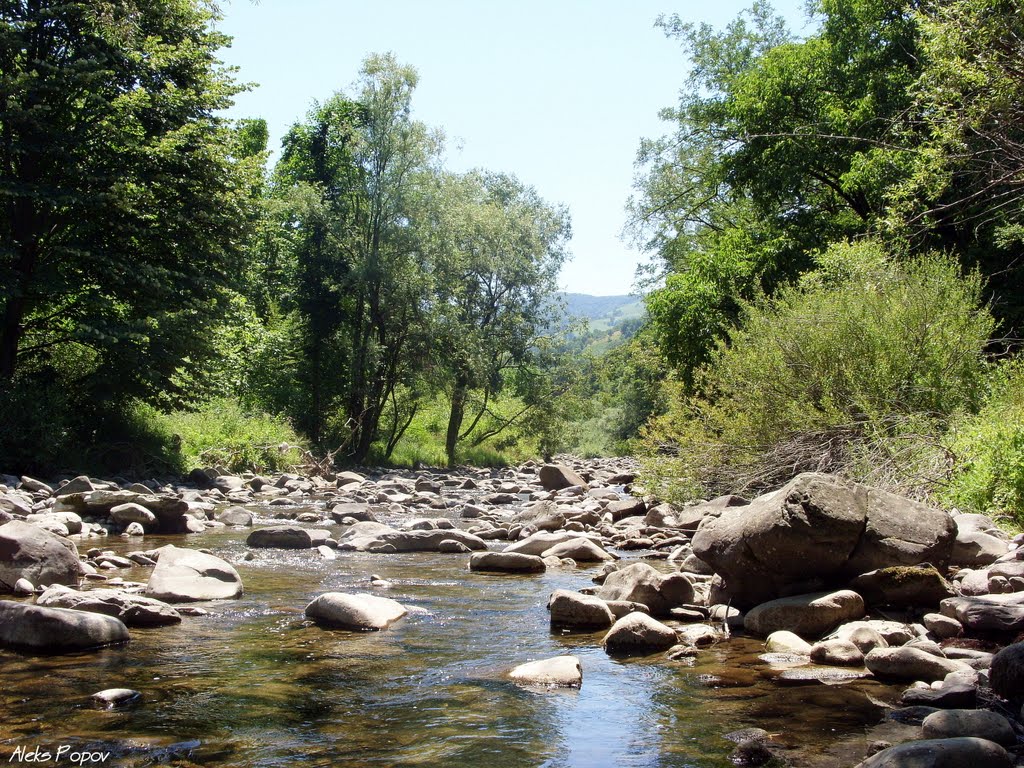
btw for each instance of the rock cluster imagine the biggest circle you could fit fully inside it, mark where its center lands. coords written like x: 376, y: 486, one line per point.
x: 806, y: 567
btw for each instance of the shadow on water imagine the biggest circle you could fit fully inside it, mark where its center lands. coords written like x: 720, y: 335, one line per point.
x: 253, y: 684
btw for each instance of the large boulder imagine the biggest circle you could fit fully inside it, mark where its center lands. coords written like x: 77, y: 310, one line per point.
x: 809, y: 616
x: 133, y: 610
x: 640, y: 583
x: 29, y: 552
x: 56, y: 630
x: 360, y: 612
x: 287, y: 537
x: 908, y: 663
x: 186, y: 575
x: 638, y: 633
x: 558, y: 672
x: 506, y: 562
x: 964, y: 752
x: 818, y: 531
x: 576, y: 611
x: 554, y: 477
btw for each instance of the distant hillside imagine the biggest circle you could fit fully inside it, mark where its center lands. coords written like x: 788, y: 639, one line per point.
x: 602, y: 312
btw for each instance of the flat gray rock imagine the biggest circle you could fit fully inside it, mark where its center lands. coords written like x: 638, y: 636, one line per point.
x: 133, y: 610
x: 57, y: 630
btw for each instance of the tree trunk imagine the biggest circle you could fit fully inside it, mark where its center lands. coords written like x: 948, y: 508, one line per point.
x: 455, y: 416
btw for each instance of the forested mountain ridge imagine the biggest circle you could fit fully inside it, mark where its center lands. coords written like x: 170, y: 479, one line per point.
x: 602, y: 309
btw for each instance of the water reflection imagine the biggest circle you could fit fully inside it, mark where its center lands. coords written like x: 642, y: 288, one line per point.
x: 253, y: 684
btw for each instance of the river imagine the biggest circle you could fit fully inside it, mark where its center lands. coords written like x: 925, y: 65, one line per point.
x: 254, y: 684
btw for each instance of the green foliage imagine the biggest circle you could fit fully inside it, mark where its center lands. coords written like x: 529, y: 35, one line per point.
x: 221, y: 433
x: 124, y: 209
x: 861, y: 350
x: 988, y: 449
x: 423, y: 442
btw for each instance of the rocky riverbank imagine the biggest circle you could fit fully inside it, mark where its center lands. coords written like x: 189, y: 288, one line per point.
x: 843, y: 583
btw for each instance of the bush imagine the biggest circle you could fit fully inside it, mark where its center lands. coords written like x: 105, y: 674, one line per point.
x: 423, y: 441
x: 866, y: 355
x: 221, y: 433
x: 988, y: 450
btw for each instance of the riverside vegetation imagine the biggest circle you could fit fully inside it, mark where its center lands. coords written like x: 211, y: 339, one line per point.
x: 833, y: 311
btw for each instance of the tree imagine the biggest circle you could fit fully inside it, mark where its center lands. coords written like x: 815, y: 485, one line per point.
x: 318, y: 182
x: 350, y: 183
x: 964, y: 182
x: 499, y: 248
x: 778, y: 150
x: 124, y: 209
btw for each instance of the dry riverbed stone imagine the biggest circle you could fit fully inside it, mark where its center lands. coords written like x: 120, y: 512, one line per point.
x: 806, y: 615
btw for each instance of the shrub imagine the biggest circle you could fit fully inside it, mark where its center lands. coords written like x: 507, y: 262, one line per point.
x: 988, y: 449
x: 866, y: 354
x: 220, y: 432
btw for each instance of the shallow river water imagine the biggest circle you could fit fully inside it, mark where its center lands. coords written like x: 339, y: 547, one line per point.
x: 254, y: 684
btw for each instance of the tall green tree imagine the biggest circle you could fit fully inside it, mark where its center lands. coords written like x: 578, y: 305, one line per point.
x: 398, y: 156
x: 350, y: 185
x: 499, y: 250
x: 778, y: 149
x: 123, y: 209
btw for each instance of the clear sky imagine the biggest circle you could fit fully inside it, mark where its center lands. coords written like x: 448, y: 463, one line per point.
x: 557, y: 92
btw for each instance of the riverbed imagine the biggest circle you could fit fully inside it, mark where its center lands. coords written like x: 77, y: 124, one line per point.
x: 252, y: 683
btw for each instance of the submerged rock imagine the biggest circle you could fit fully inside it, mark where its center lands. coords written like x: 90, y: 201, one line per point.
x: 116, y: 698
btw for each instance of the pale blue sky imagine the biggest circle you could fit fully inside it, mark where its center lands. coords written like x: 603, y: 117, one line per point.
x: 557, y: 92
